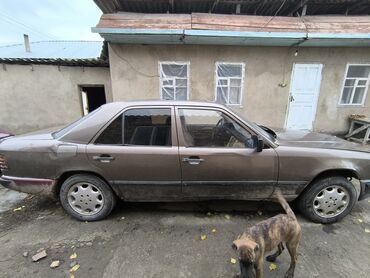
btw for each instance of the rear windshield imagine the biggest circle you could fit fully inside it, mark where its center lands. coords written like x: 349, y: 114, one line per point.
x: 69, y: 127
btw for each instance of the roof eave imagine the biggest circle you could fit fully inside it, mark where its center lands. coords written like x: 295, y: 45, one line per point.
x: 57, y: 62
x: 241, y: 38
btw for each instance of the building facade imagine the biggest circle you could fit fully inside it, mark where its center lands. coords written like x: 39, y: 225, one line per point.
x: 257, y: 82
x: 282, y: 64
x: 35, y: 97
x: 308, y: 71
x: 50, y: 84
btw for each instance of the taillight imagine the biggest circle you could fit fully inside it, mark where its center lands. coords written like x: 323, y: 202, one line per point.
x: 3, y: 164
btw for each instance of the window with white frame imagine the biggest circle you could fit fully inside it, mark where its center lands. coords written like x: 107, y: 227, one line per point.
x: 174, y: 80
x: 355, y: 85
x: 229, y: 83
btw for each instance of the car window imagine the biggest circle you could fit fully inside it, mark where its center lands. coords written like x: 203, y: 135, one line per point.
x: 147, y: 126
x: 112, y: 135
x: 256, y: 127
x: 211, y: 128
x: 142, y: 126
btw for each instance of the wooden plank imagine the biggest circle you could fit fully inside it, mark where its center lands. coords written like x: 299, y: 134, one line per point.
x: 145, y: 21
x: 142, y: 16
x: 362, y: 124
x: 338, y: 24
x: 358, y: 130
x: 337, y: 18
x: 366, y: 138
x: 243, y: 28
x: 246, y: 23
x: 241, y: 20
x: 222, y: 22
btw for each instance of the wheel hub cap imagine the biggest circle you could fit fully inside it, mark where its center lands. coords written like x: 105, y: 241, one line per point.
x: 331, y: 201
x: 85, y: 198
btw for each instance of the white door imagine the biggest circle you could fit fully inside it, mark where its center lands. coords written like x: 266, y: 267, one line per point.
x: 303, y: 96
x: 85, y: 103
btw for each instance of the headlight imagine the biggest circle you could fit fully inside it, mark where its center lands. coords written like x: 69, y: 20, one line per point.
x: 3, y: 164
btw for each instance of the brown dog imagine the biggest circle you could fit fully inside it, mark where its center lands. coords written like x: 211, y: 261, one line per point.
x: 264, y: 237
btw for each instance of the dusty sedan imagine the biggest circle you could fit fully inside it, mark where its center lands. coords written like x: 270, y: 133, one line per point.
x: 168, y: 151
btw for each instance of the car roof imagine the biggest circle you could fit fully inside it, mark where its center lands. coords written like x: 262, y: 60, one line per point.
x: 164, y: 102
x: 87, y: 129
x: 84, y: 131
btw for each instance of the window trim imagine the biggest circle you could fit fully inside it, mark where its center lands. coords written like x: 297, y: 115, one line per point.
x: 343, y: 85
x: 187, y: 63
x: 174, y: 140
x: 181, y: 140
x: 240, y: 104
x: 100, y: 131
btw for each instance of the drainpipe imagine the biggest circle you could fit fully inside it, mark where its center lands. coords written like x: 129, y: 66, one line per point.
x: 26, y: 43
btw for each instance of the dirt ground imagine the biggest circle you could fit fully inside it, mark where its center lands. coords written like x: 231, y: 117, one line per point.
x: 163, y: 240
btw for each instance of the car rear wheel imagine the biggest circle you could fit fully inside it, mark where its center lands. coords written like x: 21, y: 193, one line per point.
x: 87, y: 197
x: 328, y: 200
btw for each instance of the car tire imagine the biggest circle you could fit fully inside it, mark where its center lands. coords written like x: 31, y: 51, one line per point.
x: 87, y: 197
x: 328, y: 200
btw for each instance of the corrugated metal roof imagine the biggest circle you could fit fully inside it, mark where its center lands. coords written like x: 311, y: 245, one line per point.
x: 247, y: 7
x: 54, y: 50
x: 59, y: 62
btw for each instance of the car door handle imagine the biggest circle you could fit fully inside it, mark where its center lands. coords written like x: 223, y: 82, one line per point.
x: 193, y: 160
x: 105, y: 158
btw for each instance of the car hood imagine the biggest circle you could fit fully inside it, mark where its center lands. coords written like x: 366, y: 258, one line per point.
x: 316, y: 140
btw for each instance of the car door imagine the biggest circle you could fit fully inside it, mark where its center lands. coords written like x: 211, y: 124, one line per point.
x: 138, y: 154
x: 218, y: 157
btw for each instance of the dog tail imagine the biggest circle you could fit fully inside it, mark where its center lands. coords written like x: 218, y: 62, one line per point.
x: 284, y: 204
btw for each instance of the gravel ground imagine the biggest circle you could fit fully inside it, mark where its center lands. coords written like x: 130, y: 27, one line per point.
x: 163, y: 240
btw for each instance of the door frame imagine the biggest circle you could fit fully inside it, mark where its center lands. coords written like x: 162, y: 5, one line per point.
x: 238, y: 187
x: 317, y: 95
x: 174, y: 134
x: 123, y: 187
x: 81, y: 98
x: 180, y: 133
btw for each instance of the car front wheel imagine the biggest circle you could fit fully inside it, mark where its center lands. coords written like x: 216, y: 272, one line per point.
x: 87, y: 197
x: 328, y: 200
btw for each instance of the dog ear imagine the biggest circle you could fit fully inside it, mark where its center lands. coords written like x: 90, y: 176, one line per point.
x: 234, y: 246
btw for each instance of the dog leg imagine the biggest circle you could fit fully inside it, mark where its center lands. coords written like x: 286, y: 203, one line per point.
x: 292, y: 247
x: 259, y: 268
x: 273, y: 257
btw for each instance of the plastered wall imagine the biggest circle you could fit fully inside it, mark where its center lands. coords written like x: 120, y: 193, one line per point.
x: 134, y: 76
x: 42, y: 96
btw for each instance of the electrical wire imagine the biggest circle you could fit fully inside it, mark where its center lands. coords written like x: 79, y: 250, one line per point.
x: 29, y: 26
x: 135, y: 69
x: 277, y: 11
x: 12, y: 20
x: 32, y: 29
x: 21, y: 28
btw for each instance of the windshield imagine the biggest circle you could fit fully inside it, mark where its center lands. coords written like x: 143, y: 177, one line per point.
x: 257, y: 127
x: 263, y: 131
x: 69, y: 127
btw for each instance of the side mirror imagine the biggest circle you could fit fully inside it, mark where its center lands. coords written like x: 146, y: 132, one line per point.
x: 257, y: 143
